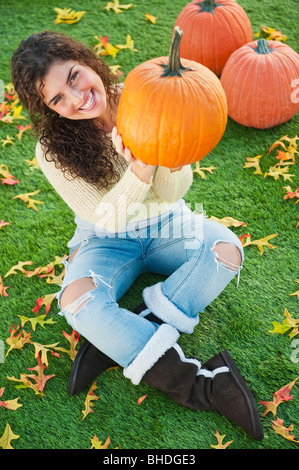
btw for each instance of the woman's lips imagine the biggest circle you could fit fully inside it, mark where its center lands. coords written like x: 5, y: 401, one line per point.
x: 89, y: 102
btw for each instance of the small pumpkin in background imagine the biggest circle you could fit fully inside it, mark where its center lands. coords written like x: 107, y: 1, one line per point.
x: 213, y: 30
x: 171, y: 112
x: 259, y: 80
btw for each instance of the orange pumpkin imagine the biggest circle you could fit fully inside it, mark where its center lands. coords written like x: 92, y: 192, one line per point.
x: 213, y: 30
x: 258, y: 80
x: 171, y: 112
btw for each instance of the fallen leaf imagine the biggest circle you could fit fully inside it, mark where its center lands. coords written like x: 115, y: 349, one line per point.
x: 8, y: 436
x: 129, y: 44
x: 89, y: 401
x: 116, y: 7
x: 40, y: 378
x: 140, y: 400
x: 41, y: 350
x: 283, y: 431
x: 104, y: 47
x: 283, y: 394
x: 3, y: 289
x: 297, y: 292
x: 228, y: 221
x: 200, y: 171
x: 286, y: 325
x: 22, y: 129
x: 36, y: 321
x: 45, y: 300
x: 278, y: 171
x: 67, y: 15
x: 291, y: 194
x: 9, y: 404
x: 17, y: 340
x: 8, y: 140
x: 32, y: 162
x: 73, y: 339
x: 271, y: 34
x: 259, y: 243
x: 220, y: 444
x: 18, y: 267
x: 254, y: 162
x: 2, y: 223
x: 31, y: 203
x: 96, y: 444
x: 150, y: 18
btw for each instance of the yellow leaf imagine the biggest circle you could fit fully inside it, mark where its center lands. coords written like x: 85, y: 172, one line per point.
x: 276, y: 172
x: 228, y: 221
x: 8, y: 436
x: 116, y: 7
x: 8, y: 140
x: 88, y: 401
x: 198, y: 169
x: 259, y: 243
x: 30, y: 202
x: 283, y: 431
x: 129, y: 44
x: 151, y: 18
x: 254, y: 162
x: 219, y: 438
x: 67, y: 15
x: 96, y: 444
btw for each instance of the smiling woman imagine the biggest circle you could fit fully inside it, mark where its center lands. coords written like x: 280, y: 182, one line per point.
x: 138, y: 224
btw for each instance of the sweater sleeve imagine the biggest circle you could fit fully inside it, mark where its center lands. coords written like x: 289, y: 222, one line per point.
x: 108, y: 208
x: 171, y: 186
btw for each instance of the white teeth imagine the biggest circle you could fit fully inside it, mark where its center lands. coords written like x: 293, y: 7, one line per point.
x: 89, y: 101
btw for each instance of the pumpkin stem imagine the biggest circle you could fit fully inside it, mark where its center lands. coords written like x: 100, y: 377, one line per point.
x: 263, y: 47
x: 174, y: 67
x: 208, y: 5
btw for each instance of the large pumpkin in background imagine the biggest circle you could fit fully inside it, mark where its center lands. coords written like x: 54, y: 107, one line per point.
x: 171, y: 112
x: 259, y: 80
x: 213, y: 30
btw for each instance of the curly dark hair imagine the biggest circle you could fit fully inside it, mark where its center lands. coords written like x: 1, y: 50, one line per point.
x: 78, y: 147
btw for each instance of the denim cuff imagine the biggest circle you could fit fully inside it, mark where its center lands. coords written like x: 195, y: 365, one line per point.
x: 164, y: 309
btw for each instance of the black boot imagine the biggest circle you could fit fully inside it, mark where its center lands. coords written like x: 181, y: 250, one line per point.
x: 216, y: 385
x: 90, y: 362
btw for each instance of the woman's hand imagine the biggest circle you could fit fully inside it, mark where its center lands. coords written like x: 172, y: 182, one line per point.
x: 141, y: 169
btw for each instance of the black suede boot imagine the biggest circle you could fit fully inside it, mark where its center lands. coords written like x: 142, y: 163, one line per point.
x: 217, y: 385
x: 90, y: 362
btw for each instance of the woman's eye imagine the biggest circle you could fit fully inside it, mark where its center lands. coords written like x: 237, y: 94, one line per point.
x: 73, y: 77
x: 57, y: 100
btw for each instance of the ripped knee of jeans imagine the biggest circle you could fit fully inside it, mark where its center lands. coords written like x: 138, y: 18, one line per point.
x: 76, y: 294
x: 229, y: 256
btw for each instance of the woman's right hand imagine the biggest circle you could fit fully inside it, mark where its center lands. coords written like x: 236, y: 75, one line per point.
x: 141, y: 169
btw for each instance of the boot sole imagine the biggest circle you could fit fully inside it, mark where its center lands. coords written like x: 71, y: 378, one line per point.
x: 255, y: 419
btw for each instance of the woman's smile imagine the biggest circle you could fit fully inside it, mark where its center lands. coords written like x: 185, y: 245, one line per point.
x: 89, y: 102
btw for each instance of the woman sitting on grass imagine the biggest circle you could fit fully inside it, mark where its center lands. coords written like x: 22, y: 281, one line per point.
x: 131, y: 219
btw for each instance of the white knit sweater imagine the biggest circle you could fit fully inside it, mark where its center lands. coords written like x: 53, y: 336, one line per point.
x: 129, y: 200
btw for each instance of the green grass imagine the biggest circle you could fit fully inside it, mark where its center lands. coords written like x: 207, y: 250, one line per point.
x: 238, y: 320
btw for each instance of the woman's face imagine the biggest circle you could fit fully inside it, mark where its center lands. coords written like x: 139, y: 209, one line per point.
x: 74, y: 91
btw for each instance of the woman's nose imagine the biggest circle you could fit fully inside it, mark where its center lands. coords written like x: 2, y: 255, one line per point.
x: 75, y: 97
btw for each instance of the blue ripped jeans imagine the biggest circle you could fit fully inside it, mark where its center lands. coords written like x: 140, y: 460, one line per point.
x: 182, y: 248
